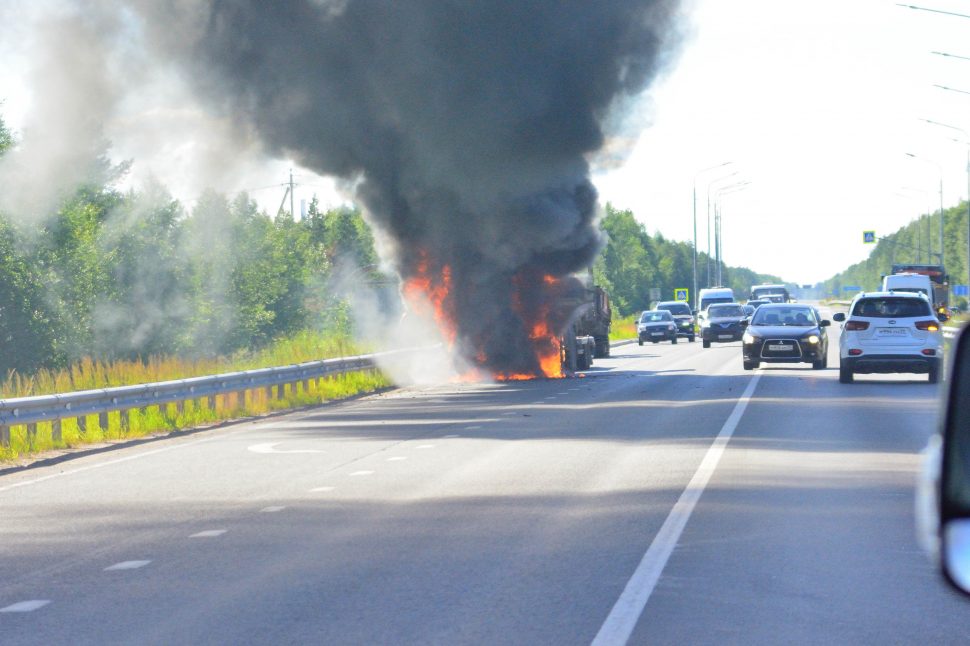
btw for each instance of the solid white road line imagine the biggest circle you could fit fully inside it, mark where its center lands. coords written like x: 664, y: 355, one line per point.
x: 425, y: 446
x: 450, y: 437
x: 321, y: 489
x: 209, y: 533
x: 272, y: 510
x: 396, y: 458
x: 362, y: 473
x: 26, y: 606
x: 127, y: 565
x: 626, y: 611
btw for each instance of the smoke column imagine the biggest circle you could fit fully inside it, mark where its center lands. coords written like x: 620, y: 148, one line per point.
x: 465, y: 125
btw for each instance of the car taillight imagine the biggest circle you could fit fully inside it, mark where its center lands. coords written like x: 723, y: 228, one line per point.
x: 856, y: 325
x: 929, y: 352
x: 855, y: 352
x: 930, y: 326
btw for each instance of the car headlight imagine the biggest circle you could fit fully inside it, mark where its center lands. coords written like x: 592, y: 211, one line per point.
x: 812, y: 338
x: 671, y: 327
x: 748, y: 338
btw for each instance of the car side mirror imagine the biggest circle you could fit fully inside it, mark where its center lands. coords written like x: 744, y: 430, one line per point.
x: 745, y: 322
x: 825, y: 323
x: 838, y: 317
x: 953, y: 528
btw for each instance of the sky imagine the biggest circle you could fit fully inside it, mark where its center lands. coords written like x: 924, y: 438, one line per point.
x: 815, y: 104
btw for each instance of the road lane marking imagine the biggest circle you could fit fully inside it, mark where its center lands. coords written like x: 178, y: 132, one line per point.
x: 425, y: 446
x: 126, y: 565
x: 396, y: 458
x: 272, y: 509
x: 623, y: 618
x: 268, y: 448
x: 450, y: 437
x: 26, y: 606
x: 321, y: 489
x: 362, y: 473
x: 472, y: 428
x: 209, y: 533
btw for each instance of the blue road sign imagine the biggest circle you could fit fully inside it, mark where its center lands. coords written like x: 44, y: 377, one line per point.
x: 680, y: 294
x: 961, y: 290
x: 869, y: 237
x: 851, y: 288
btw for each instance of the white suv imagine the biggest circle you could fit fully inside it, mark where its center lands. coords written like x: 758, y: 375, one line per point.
x: 889, y: 332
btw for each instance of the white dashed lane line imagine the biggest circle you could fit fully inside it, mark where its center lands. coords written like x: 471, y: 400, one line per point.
x: 126, y: 565
x: 425, y: 446
x: 321, y: 489
x: 449, y: 437
x: 272, y: 509
x: 362, y: 473
x: 396, y: 458
x: 209, y: 533
x: 472, y: 428
x: 26, y: 606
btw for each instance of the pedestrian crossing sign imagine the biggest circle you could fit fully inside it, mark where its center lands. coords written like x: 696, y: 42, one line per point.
x: 680, y: 294
x: 869, y: 237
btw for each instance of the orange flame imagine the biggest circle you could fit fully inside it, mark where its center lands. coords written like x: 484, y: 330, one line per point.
x: 427, y: 287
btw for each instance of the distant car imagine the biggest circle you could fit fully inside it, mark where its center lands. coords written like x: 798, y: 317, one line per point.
x: 890, y: 332
x: 656, y: 326
x: 748, y: 309
x: 785, y: 333
x: 721, y: 323
x: 682, y: 317
x: 758, y: 302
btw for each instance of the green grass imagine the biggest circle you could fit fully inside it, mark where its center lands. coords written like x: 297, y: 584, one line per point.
x: 90, y: 374
x: 624, y: 328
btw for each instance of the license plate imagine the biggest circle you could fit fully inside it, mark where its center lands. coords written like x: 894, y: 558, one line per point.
x: 725, y: 336
x: 779, y: 347
x: 892, y: 331
x: 656, y: 334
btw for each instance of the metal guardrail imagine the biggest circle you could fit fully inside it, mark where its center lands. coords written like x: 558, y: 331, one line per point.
x: 124, y: 399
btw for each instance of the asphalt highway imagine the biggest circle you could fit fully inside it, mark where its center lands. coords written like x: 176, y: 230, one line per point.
x: 666, y: 497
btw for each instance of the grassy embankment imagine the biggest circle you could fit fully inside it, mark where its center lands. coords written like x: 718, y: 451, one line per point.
x: 625, y: 328
x: 89, y: 374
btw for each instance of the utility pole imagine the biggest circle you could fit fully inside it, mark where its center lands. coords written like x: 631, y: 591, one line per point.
x: 292, y: 210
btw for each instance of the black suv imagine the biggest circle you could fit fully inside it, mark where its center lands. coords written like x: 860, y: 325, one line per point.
x: 682, y: 315
x: 721, y: 322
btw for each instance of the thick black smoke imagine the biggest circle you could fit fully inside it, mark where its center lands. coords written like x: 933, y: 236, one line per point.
x: 466, y: 123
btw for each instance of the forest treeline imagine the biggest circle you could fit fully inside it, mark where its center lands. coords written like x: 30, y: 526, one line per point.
x: 911, y: 244
x: 128, y: 275
x: 634, y: 261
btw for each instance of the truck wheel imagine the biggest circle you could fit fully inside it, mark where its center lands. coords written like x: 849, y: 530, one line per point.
x: 934, y: 374
x: 673, y: 341
x: 602, y: 346
x: 691, y: 338
x: 706, y: 343
x: 818, y: 365
x: 751, y: 365
x: 639, y: 341
x: 845, y: 375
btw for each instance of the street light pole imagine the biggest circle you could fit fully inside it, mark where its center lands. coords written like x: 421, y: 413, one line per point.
x: 696, y: 175
x: 940, y: 169
x: 725, y: 190
x: 709, y: 185
x: 967, y: 142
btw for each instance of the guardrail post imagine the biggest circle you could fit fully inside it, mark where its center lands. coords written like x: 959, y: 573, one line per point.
x: 280, y: 391
x: 306, y: 386
x: 56, y: 435
x: 82, y: 424
x: 31, y: 433
x: 124, y: 419
x: 210, y: 402
x: 103, y: 422
x: 241, y: 396
x: 4, y: 435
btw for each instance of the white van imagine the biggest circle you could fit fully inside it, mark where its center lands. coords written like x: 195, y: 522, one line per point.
x: 713, y: 295
x: 917, y: 283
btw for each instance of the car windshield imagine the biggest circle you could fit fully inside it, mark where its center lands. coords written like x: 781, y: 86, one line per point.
x: 721, y: 311
x: 891, y: 307
x: 793, y: 316
x: 651, y: 317
x: 676, y: 308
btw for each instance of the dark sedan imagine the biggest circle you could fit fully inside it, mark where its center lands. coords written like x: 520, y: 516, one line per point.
x: 721, y: 322
x: 785, y: 333
x: 656, y: 326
